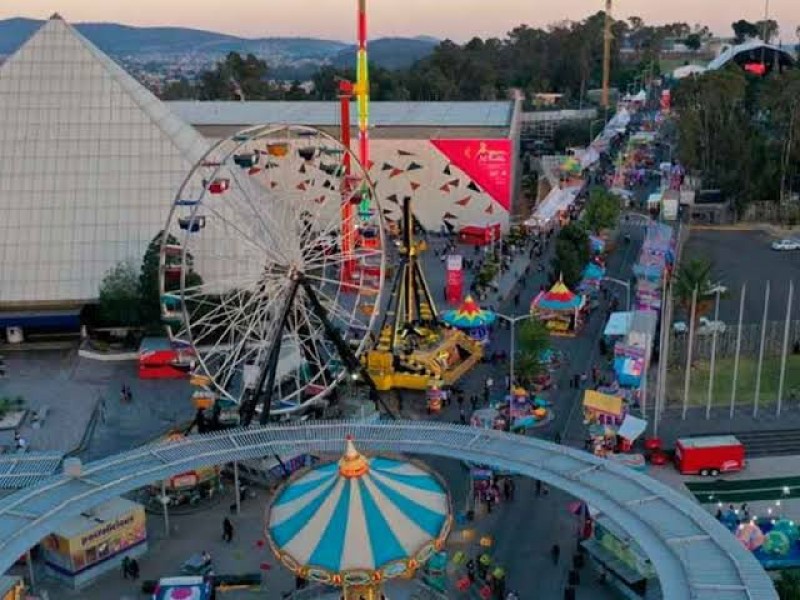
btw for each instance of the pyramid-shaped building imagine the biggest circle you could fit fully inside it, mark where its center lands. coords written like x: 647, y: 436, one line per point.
x: 90, y: 162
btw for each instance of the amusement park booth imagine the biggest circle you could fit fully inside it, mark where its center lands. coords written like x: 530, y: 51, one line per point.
x: 560, y: 309
x: 603, y: 409
x: 160, y: 359
x: 87, y: 546
x: 480, y: 235
x: 622, y: 560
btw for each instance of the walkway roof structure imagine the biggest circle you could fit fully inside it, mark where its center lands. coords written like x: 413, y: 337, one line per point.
x: 89, y: 165
x: 327, y: 114
x: 695, y: 557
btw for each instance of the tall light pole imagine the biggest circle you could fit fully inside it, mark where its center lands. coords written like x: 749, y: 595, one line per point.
x: 512, y: 321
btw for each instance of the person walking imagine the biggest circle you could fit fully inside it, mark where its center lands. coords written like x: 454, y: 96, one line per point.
x: 126, y: 567
x: 134, y: 569
x: 555, y: 553
x: 227, y: 530
x: 538, y: 487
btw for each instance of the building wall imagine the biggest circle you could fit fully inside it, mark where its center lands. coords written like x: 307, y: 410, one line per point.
x: 440, y: 189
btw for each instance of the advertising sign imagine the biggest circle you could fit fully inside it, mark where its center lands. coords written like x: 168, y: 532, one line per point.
x: 487, y: 162
x: 454, y: 288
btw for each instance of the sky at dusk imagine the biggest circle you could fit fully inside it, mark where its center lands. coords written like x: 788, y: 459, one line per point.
x: 457, y: 19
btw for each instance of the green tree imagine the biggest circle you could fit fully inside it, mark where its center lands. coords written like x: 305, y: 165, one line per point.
x: 788, y: 585
x: 767, y: 30
x: 149, y: 280
x: 693, y: 41
x: 534, y: 342
x: 119, y: 296
x: 780, y: 97
x: 693, y: 274
x: 602, y: 210
x: 572, y: 254
x: 743, y: 30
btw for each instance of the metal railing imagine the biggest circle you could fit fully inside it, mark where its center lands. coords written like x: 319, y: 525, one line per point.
x: 694, y: 555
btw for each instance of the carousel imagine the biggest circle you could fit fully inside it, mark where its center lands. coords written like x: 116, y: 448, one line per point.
x: 471, y: 319
x: 359, y: 522
x: 560, y: 309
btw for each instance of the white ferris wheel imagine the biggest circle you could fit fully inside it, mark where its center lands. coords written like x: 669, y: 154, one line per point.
x: 272, y: 267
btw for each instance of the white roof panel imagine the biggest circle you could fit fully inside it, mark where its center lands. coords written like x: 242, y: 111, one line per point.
x: 709, y: 441
x: 321, y: 114
x: 89, y: 164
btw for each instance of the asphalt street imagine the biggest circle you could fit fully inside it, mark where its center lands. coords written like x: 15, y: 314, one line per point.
x: 745, y: 257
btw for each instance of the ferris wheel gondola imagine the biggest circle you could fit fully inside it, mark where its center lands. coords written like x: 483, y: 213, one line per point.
x: 253, y: 271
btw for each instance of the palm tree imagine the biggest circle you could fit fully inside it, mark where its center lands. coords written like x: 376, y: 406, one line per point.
x: 694, y: 274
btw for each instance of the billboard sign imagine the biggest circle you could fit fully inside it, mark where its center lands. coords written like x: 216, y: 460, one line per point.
x: 487, y: 162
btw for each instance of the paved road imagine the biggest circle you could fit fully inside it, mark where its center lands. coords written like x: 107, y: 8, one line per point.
x: 745, y: 257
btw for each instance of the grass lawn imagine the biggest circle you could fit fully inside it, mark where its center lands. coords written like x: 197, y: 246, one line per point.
x: 745, y: 385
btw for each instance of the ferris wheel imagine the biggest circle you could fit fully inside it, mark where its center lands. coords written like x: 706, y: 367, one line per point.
x: 272, y: 268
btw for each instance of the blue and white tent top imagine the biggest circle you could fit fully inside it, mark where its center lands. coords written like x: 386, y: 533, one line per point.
x: 359, y: 519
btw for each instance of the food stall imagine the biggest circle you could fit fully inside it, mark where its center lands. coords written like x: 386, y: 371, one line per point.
x: 602, y: 409
x: 85, y: 547
x: 620, y: 561
x: 560, y: 309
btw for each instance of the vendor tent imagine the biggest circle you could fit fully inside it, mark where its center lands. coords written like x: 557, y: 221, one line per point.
x: 631, y: 428
x: 603, y: 403
x: 558, y: 298
x: 558, y: 200
x: 618, y: 325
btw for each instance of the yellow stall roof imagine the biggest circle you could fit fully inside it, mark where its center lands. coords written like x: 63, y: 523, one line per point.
x: 602, y: 402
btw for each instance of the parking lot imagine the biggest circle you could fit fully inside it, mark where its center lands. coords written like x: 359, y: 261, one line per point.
x: 745, y: 257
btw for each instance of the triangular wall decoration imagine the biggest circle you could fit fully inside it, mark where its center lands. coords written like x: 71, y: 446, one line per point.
x: 454, y: 182
x: 449, y: 215
x: 464, y: 201
x: 414, y: 186
x: 395, y: 173
x: 303, y: 169
x: 446, y: 170
x: 413, y: 167
x: 473, y: 186
x: 392, y: 198
x: 445, y: 188
x: 386, y: 167
x: 253, y: 171
x: 489, y: 209
x: 405, y: 153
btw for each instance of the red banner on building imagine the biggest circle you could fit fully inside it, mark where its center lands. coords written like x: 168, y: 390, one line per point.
x: 454, y: 289
x: 487, y: 162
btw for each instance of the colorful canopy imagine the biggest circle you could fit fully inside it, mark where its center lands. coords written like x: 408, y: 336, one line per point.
x: 469, y: 315
x: 558, y: 298
x: 593, y: 271
x: 342, y: 523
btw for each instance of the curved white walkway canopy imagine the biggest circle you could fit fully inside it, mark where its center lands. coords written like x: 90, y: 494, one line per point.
x: 694, y: 556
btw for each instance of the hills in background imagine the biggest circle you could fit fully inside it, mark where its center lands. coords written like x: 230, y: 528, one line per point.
x: 179, y: 44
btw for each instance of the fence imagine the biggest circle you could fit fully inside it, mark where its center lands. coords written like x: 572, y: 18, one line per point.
x: 772, y: 212
x: 758, y: 376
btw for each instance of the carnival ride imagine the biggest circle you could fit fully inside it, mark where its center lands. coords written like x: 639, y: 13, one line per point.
x: 414, y: 348
x: 251, y: 269
x: 358, y: 522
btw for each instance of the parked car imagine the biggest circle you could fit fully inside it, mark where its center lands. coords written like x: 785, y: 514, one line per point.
x: 786, y: 245
x: 716, y: 288
x: 704, y: 326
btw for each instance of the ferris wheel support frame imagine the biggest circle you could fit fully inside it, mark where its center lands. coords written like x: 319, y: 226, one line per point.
x: 265, y: 385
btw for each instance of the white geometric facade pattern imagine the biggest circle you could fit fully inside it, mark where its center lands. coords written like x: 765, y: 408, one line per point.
x: 90, y: 162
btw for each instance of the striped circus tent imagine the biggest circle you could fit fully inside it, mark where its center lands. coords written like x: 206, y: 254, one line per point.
x: 359, y: 520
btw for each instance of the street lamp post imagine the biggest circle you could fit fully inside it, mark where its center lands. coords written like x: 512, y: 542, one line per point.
x: 626, y: 285
x: 512, y: 321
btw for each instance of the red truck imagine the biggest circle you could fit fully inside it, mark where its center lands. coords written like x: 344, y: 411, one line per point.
x: 709, y: 455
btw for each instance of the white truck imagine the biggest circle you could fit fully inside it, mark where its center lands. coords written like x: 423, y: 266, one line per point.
x: 704, y: 326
